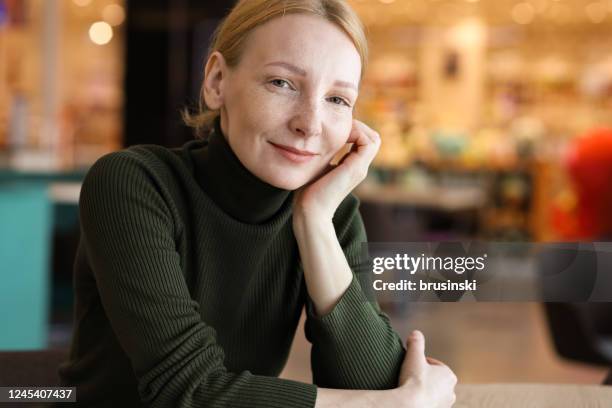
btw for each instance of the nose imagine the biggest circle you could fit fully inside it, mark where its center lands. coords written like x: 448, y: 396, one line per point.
x: 307, y: 120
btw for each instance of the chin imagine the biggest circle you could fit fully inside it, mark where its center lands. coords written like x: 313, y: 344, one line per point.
x: 286, y: 182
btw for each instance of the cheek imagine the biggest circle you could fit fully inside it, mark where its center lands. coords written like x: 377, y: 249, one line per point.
x: 262, y: 108
x: 339, y: 133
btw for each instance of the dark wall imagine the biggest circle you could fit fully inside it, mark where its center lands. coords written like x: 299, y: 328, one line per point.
x: 166, y: 45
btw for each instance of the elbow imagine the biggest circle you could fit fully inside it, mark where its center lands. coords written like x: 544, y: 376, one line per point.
x: 182, y: 382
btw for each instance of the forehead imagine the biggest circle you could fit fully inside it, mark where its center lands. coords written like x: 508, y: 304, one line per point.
x: 310, y: 42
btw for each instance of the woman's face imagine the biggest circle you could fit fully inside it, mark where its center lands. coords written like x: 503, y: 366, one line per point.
x: 287, y: 108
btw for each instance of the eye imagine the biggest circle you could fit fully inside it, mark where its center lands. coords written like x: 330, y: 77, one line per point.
x: 341, y: 101
x: 281, y: 81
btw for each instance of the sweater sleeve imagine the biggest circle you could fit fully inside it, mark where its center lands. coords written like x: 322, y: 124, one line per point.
x: 129, y: 233
x: 353, y: 345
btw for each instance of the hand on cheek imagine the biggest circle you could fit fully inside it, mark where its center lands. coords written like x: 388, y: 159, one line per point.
x: 321, y: 197
x: 334, y: 157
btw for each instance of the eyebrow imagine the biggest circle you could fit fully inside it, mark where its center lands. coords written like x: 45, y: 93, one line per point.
x: 301, y: 72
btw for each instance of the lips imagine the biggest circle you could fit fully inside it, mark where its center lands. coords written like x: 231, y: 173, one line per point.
x: 293, y: 154
x: 294, y: 150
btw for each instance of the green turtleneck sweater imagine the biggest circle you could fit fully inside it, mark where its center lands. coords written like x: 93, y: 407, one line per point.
x: 189, y: 289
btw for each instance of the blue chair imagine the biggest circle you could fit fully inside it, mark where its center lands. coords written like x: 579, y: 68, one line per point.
x: 26, y: 216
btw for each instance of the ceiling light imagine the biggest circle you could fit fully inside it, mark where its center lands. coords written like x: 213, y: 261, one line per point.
x: 100, y: 32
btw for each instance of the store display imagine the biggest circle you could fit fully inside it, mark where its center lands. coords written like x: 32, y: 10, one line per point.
x: 546, y: 77
x: 61, y: 93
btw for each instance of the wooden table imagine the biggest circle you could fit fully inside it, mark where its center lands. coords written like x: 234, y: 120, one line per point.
x: 533, y: 396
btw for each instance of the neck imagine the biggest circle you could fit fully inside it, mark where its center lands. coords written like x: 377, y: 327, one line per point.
x: 236, y: 190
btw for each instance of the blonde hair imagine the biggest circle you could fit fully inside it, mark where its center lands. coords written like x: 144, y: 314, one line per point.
x: 229, y: 39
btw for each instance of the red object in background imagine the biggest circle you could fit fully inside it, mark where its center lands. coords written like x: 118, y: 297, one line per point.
x: 16, y: 12
x: 589, y: 165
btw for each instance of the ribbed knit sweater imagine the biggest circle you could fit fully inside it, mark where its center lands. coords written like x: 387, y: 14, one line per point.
x: 189, y: 289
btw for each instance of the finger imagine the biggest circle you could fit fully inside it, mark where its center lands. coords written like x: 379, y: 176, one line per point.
x: 368, y: 131
x: 353, y: 149
x: 453, y: 377
x: 449, y: 375
x: 361, y: 129
x: 358, y: 136
x: 353, y: 133
x: 359, y: 162
x: 364, y: 148
x: 415, y: 354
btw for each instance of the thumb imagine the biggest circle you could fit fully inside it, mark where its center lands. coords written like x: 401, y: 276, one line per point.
x: 415, y: 361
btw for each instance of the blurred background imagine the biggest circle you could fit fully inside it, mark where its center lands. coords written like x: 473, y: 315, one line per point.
x: 495, y: 118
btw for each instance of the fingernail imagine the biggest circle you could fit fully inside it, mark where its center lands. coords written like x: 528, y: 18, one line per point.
x: 416, y: 335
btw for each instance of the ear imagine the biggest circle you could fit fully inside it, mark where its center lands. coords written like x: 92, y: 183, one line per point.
x: 215, y: 74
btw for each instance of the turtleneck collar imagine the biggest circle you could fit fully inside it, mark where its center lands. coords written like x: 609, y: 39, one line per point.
x: 236, y: 190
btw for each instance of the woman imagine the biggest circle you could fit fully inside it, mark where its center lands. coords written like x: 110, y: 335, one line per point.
x: 195, y: 263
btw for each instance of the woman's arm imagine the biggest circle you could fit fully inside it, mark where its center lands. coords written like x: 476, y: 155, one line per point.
x: 423, y: 383
x: 353, y: 344
x: 326, y: 270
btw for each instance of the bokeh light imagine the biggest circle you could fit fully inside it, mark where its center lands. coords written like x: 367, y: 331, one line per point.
x: 100, y: 32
